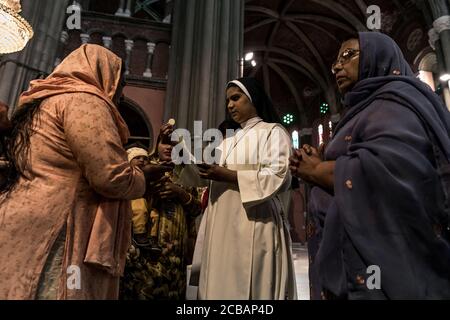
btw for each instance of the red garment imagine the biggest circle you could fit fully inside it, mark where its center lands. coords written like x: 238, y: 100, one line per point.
x: 205, y: 199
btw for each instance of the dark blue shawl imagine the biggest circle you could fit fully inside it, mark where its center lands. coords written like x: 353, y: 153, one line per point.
x: 384, y: 72
x: 388, y: 218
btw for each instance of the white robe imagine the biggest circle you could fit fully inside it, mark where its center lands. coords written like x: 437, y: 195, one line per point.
x: 244, y: 246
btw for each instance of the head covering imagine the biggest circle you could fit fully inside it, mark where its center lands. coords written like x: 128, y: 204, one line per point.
x: 395, y: 199
x: 136, y: 152
x: 89, y: 69
x: 385, y: 74
x: 94, y: 70
x: 242, y: 87
x: 258, y: 97
x: 380, y: 56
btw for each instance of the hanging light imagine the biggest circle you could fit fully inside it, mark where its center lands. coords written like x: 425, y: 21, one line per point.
x: 288, y: 119
x: 445, y: 77
x: 295, y: 139
x: 324, y: 107
x: 249, y: 56
x: 15, y: 31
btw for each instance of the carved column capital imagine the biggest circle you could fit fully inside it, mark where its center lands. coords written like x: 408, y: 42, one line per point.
x: 441, y: 24
x: 85, y: 38
x: 151, y: 47
x: 107, y: 42
x: 129, y: 44
x: 64, y: 37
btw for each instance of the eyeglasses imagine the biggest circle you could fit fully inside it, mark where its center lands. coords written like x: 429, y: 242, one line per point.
x: 344, y: 58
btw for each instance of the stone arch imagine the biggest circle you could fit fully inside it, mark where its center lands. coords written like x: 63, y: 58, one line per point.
x: 140, y: 127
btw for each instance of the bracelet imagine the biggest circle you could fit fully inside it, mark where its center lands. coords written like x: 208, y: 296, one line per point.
x: 191, y: 198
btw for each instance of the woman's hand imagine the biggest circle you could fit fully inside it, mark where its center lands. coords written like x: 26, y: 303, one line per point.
x: 217, y: 173
x: 165, y: 189
x: 172, y: 191
x: 165, y: 132
x: 154, y: 187
x: 307, y: 164
x: 304, y: 162
x: 154, y: 172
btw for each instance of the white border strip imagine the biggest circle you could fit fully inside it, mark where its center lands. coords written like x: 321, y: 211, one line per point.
x: 243, y: 88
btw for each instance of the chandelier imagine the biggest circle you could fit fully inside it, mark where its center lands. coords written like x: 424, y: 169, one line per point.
x: 15, y: 31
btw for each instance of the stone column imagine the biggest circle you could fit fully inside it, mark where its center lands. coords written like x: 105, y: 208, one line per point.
x: 151, y: 50
x: 168, y: 11
x: 47, y: 18
x: 129, y: 44
x: 207, y: 45
x: 439, y: 37
x: 120, y: 11
x: 442, y: 27
x: 107, y: 42
x: 441, y: 14
x: 63, y: 41
x: 128, y: 9
x: 124, y: 9
x: 85, y: 38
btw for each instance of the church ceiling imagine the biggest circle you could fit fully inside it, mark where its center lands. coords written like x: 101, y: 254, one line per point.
x: 295, y: 42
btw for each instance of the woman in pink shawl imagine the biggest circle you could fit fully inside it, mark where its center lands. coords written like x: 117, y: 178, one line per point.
x: 65, y: 213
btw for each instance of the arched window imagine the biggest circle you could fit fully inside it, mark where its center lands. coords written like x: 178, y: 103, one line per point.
x: 320, y: 130
x: 295, y: 139
x: 138, y: 124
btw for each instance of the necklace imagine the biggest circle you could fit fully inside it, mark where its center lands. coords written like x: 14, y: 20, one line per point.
x: 236, y: 140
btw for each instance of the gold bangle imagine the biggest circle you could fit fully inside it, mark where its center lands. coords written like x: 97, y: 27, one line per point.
x: 191, y: 197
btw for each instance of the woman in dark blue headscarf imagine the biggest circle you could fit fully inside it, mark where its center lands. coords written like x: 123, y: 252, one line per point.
x: 378, y: 190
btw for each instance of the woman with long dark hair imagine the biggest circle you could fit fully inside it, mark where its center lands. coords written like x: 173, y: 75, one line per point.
x: 5, y: 127
x: 64, y: 210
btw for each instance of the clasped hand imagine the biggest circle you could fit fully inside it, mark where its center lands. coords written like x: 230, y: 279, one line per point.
x: 165, y: 189
x: 304, y: 162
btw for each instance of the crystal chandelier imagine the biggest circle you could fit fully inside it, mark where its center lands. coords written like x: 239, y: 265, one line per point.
x: 15, y: 31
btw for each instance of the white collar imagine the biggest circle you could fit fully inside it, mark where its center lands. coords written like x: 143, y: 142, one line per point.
x: 250, y: 122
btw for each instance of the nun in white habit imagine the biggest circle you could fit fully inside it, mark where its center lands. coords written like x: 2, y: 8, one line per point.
x: 244, y: 249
